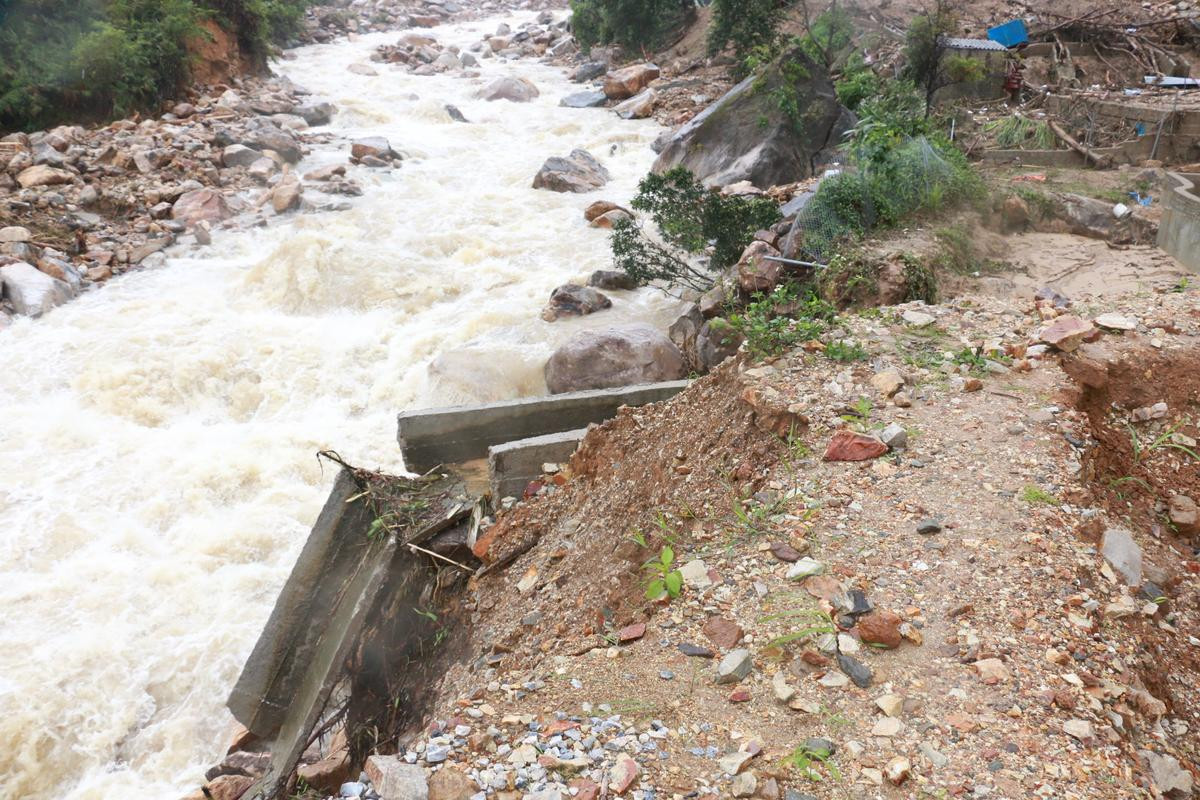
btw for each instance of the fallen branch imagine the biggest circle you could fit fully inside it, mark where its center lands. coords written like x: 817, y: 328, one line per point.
x: 1101, y: 162
x: 432, y: 554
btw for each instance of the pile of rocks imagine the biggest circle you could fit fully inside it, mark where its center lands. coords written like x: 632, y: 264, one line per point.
x: 484, y: 754
x: 629, y: 87
x: 88, y: 204
x: 542, y: 37
x: 324, y: 23
x: 423, y: 54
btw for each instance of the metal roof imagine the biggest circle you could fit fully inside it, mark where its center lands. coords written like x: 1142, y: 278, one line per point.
x: 972, y: 44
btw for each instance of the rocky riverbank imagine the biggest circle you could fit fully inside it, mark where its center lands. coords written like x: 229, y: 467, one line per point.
x: 79, y: 205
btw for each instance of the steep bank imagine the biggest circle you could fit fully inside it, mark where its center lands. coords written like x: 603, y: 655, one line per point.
x: 164, y: 428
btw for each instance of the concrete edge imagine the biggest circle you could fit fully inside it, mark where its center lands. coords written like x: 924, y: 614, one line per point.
x: 451, y: 435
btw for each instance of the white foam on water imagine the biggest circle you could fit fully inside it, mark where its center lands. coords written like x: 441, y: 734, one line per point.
x: 158, y: 436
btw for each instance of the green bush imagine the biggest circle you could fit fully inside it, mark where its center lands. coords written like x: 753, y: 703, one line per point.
x: 690, y: 219
x: 902, y: 167
x: 773, y: 323
x: 857, y: 83
x: 259, y: 23
x: 634, y: 24
x: 80, y: 60
x: 963, y: 69
x: 887, y: 119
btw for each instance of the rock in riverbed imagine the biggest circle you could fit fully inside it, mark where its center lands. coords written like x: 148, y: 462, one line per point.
x: 610, y: 357
x: 579, y: 172
x: 625, y: 83
x: 31, y: 291
x: 584, y: 100
x: 516, y: 90
x: 573, y: 300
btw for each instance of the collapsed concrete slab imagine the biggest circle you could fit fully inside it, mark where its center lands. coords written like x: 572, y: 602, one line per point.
x: 356, y: 554
x: 511, y: 466
x: 453, y: 435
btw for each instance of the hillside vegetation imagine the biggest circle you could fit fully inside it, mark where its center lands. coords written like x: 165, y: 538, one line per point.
x: 94, y: 59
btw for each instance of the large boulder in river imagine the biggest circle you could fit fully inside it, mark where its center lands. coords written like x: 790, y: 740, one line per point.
x: 31, y: 291
x: 516, y: 90
x: 747, y: 135
x: 376, y: 146
x: 584, y: 100
x: 612, y: 279
x: 579, y: 172
x: 612, y: 357
x: 640, y: 106
x: 625, y: 83
x: 573, y: 300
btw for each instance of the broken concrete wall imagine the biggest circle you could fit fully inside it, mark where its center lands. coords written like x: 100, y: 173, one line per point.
x: 287, y: 681
x: 1179, y: 229
x: 511, y: 466
x: 348, y: 565
x: 332, y: 559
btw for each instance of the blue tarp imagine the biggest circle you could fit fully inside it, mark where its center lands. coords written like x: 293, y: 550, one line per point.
x: 1010, y: 34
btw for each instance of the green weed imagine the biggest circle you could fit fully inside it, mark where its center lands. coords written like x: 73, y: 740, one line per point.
x: 775, y: 322
x: 844, y: 352
x: 811, y: 622
x: 807, y: 761
x: 1143, y: 450
x: 1035, y: 495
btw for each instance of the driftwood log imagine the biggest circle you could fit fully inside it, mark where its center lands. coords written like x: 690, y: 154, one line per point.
x: 1101, y: 161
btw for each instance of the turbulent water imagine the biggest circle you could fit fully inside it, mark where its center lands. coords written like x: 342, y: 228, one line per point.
x: 157, y: 437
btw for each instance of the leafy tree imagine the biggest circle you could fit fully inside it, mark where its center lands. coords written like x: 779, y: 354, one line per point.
x: 94, y: 59
x: 925, y: 49
x: 690, y: 220
x: 744, y: 24
x: 828, y: 37
x: 902, y: 167
x: 634, y: 24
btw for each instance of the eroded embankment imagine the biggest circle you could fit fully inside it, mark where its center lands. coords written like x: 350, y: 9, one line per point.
x: 982, y: 641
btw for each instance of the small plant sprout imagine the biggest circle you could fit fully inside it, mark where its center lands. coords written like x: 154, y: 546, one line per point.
x: 796, y: 446
x: 753, y: 519
x: 665, y: 580
x: 972, y: 359
x: 809, y: 621
x: 808, y: 756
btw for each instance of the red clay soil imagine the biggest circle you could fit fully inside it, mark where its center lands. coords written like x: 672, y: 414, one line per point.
x: 693, y: 456
x: 1139, y: 463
